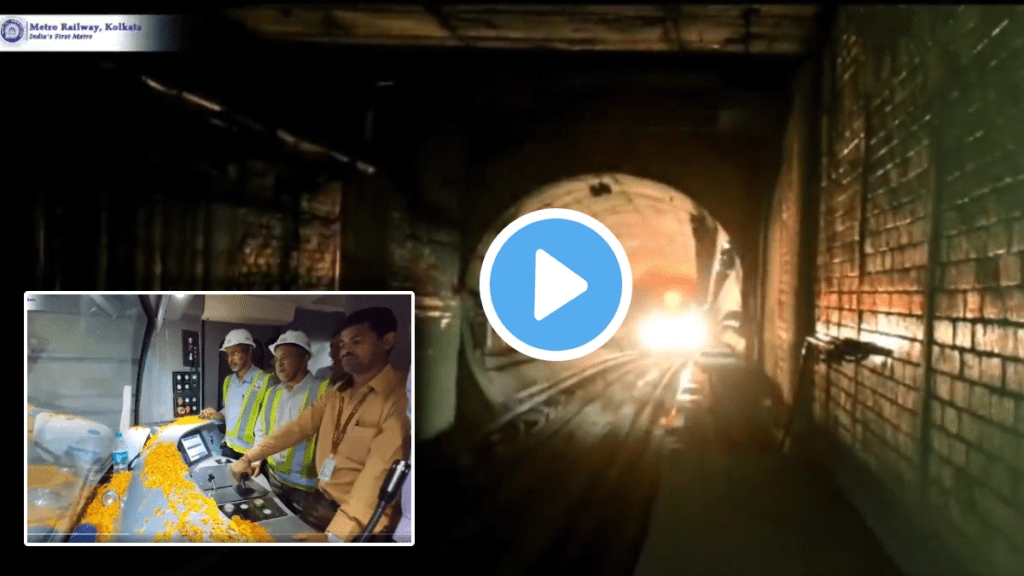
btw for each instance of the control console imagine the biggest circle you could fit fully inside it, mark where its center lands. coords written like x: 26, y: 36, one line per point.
x: 251, y: 502
x: 212, y: 475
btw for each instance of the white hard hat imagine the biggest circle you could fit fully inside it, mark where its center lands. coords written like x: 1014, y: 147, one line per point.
x: 237, y: 336
x: 293, y: 337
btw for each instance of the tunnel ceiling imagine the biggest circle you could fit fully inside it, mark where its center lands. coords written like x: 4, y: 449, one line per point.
x: 756, y: 29
x: 650, y: 219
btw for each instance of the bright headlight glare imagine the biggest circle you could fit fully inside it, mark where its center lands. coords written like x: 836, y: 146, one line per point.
x: 683, y: 332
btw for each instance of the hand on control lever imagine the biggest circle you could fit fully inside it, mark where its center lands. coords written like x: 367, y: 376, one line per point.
x: 211, y: 414
x: 240, y: 468
x: 243, y: 488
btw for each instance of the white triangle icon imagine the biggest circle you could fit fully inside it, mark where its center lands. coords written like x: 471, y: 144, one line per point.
x: 554, y: 285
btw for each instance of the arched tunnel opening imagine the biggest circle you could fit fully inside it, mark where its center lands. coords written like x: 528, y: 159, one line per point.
x: 686, y: 279
x: 822, y: 366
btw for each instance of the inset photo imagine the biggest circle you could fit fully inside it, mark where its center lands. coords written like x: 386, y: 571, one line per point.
x: 222, y: 417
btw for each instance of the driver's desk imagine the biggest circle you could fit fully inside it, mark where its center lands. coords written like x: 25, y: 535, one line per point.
x: 199, y: 447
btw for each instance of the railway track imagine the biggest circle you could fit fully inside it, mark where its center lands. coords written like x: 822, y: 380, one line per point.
x: 565, y: 480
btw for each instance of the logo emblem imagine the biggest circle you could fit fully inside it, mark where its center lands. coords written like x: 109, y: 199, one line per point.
x: 12, y: 30
x: 556, y: 284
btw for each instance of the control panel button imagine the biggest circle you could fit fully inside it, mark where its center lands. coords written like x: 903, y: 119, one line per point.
x: 266, y: 511
x: 244, y: 506
x: 258, y: 501
x: 229, y: 508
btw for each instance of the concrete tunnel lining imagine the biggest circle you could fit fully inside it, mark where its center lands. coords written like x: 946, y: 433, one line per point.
x: 642, y: 213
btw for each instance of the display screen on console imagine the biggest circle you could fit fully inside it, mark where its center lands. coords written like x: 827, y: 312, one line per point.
x: 195, y: 449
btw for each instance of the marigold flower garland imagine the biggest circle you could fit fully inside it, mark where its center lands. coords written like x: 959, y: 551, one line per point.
x: 163, y: 468
x: 102, y: 516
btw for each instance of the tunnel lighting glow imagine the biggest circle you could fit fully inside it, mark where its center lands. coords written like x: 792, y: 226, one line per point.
x: 673, y: 300
x: 684, y: 332
x: 885, y: 341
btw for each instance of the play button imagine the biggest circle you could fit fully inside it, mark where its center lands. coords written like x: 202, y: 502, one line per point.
x: 555, y: 284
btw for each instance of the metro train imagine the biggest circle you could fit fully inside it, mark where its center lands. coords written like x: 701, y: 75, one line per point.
x: 670, y: 319
x: 146, y: 366
x: 670, y: 312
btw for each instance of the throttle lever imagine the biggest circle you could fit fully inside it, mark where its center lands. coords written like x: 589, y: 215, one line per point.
x: 242, y: 488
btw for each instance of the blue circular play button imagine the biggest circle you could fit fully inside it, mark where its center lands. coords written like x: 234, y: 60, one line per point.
x: 556, y: 284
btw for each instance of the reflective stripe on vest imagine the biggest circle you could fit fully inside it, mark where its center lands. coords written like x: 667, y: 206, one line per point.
x: 292, y: 471
x: 251, y: 403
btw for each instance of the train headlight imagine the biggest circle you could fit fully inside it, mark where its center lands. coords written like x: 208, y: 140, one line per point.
x: 685, y: 332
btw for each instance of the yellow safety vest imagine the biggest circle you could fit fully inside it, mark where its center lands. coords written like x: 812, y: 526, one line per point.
x: 240, y: 435
x: 292, y: 471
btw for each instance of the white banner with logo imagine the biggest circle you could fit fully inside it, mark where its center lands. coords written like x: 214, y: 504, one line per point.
x: 89, y: 33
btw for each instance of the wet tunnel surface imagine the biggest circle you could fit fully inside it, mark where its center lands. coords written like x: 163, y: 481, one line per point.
x: 600, y: 486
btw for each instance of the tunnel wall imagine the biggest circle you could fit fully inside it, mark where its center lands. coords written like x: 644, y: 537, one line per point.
x: 180, y: 204
x: 782, y: 282
x: 920, y: 249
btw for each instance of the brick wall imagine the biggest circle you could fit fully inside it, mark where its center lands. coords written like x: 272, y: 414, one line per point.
x: 920, y: 249
x: 214, y: 242
x: 780, y: 330
x: 193, y: 206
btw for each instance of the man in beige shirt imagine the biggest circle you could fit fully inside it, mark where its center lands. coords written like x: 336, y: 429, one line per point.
x: 361, y: 428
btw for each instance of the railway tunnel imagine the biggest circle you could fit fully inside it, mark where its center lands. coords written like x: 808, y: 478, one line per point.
x: 862, y: 164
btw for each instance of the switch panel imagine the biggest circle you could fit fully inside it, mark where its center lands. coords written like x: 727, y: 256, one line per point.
x: 186, y: 393
x: 190, y: 348
x: 254, y: 510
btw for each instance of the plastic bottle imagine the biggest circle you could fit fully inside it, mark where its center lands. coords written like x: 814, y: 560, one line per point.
x: 120, y: 454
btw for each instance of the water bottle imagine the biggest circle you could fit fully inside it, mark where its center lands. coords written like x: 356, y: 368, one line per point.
x: 120, y: 454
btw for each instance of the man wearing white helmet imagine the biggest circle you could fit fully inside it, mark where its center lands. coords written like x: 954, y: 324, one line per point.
x: 242, y: 394
x: 291, y: 472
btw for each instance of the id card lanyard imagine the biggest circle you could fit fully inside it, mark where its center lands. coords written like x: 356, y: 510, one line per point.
x: 328, y: 468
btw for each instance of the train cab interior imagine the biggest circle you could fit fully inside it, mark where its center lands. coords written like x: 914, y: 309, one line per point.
x: 146, y: 366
